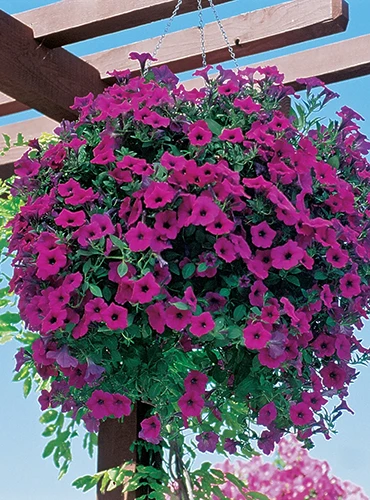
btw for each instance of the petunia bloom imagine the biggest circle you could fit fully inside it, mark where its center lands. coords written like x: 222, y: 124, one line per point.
x: 150, y: 430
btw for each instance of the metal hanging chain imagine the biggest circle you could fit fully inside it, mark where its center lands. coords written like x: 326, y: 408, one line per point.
x: 165, y: 32
x: 224, y: 34
x: 202, y: 36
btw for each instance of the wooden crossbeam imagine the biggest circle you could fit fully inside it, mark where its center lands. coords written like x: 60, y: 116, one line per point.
x: 8, y: 105
x: 41, y: 78
x: 70, y: 21
x: 250, y: 33
x: 331, y: 63
x: 258, y: 31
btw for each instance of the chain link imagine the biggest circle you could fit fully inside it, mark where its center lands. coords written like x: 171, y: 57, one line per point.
x: 202, y: 36
x: 224, y: 34
x: 165, y: 32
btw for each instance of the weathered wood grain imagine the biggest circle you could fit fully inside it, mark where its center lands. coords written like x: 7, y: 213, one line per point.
x: 41, y: 78
x: 70, y: 21
x: 250, y: 33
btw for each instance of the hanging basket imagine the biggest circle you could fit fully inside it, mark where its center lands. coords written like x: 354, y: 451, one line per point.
x: 198, y: 251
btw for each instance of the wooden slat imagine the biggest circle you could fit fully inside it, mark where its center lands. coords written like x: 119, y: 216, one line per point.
x: 41, y: 78
x: 8, y: 105
x: 258, y: 31
x: 331, y: 63
x: 29, y: 129
x: 70, y: 21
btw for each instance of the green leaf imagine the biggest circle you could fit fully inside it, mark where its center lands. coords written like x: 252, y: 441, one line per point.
x: 181, y: 306
x: 122, y: 269
x: 188, y: 270
x: 118, y: 243
x: 95, y: 290
x: 334, y: 162
x: 48, y: 416
x: 239, y: 312
x: 202, y: 267
x: 214, y: 127
x: 256, y: 496
x: 256, y: 310
x: 27, y: 386
x: 49, y: 448
x: 319, y: 275
x: 6, y: 140
x: 294, y: 280
x: 86, y: 483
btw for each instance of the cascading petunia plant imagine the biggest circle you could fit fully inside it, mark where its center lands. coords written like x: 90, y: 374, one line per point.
x: 197, y: 251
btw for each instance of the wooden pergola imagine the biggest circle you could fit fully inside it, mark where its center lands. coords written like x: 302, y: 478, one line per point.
x: 37, y: 72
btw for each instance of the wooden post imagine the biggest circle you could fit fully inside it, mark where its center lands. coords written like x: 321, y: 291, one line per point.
x: 114, y: 442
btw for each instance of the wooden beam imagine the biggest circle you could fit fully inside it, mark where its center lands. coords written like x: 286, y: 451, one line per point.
x: 41, y: 78
x: 253, y: 32
x: 70, y: 21
x: 258, y: 31
x: 331, y: 63
x: 8, y: 105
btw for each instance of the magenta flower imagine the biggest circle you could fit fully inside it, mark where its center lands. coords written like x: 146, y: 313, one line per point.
x: 262, y: 235
x: 314, y: 400
x: 233, y: 135
x: 216, y: 302
x: 142, y: 57
x: 166, y: 224
x: 202, y: 324
x: 324, y: 345
x: 95, y: 308
x: 333, y: 376
x: 86, y: 234
x: 177, y: 319
x: 115, y: 317
x: 257, y: 293
x: 72, y: 281
x: 220, y: 224
x: 156, y: 314
x: 191, y: 404
x: 267, y: 414
x: 286, y: 256
x: 150, y: 430
x: 119, y: 405
x: 247, y: 105
x: 158, y: 194
x: 256, y: 336
x: 104, y: 222
x: 50, y: 263
x: 139, y: 237
x: 196, y: 381
x: 301, y: 414
x: 204, y: 211
x: 350, y: 285
x: 337, y: 257
x: 225, y: 249
x: 100, y: 404
x: 145, y: 289
x: 66, y: 218
x: 199, y: 133
x: 207, y: 441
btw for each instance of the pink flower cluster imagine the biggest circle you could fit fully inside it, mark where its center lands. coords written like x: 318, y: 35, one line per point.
x: 295, y: 475
x: 171, y: 231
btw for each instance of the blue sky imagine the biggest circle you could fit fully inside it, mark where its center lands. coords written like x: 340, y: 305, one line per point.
x: 23, y: 473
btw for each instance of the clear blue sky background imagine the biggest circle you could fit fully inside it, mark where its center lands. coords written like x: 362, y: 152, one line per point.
x: 23, y: 473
